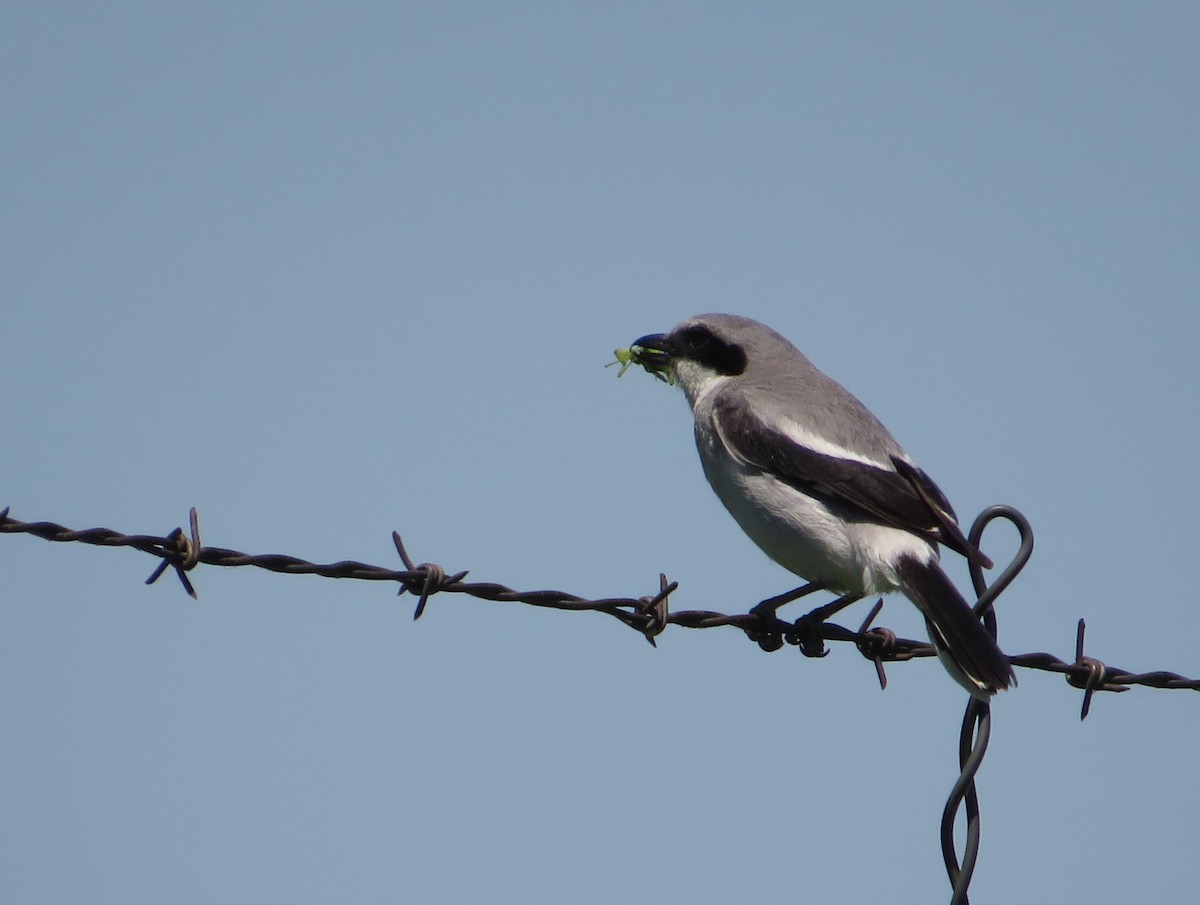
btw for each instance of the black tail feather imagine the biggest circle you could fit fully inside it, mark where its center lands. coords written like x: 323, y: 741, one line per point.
x: 962, y: 636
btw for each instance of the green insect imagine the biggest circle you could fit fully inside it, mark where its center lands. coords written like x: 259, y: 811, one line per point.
x: 627, y: 356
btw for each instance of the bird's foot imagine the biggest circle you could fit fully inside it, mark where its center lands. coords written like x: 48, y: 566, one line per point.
x: 806, y: 631
x: 772, y: 605
x: 770, y: 635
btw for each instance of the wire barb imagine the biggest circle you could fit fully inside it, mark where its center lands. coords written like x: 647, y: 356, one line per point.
x: 1094, y: 674
x: 655, y: 610
x: 650, y: 615
x: 181, y: 553
x: 644, y: 614
x: 875, y: 642
x: 434, y: 577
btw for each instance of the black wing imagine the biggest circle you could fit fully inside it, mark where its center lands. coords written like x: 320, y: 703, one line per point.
x: 902, y: 496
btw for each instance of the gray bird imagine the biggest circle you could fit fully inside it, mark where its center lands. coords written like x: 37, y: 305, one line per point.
x: 819, y: 483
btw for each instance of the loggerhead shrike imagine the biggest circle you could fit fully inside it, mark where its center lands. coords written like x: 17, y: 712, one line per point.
x: 818, y: 482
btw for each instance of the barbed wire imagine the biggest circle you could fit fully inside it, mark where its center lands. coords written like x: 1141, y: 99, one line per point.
x: 651, y: 614
x: 648, y: 614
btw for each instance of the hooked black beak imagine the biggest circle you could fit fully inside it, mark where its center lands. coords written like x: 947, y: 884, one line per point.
x: 653, y: 350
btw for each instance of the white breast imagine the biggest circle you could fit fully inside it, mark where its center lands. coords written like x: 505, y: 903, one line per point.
x: 803, y: 533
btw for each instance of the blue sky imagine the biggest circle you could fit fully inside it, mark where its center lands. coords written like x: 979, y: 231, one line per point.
x: 326, y: 271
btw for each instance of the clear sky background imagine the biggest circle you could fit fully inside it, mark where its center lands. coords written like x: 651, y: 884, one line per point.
x: 326, y: 271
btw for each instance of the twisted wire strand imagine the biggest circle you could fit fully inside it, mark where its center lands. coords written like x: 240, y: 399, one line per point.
x: 977, y: 720
x: 651, y: 614
x: 648, y: 614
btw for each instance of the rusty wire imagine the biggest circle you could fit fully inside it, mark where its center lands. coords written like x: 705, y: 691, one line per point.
x: 651, y: 614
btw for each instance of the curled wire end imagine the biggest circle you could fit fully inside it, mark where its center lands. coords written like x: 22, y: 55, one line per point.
x: 181, y: 552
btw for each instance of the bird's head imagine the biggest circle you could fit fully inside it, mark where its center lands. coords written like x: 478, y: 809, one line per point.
x: 697, y: 354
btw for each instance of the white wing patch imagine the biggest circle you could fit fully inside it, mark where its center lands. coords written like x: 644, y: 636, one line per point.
x: 800, y: 435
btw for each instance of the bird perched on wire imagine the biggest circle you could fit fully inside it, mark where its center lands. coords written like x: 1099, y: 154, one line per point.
x: 819, y: 483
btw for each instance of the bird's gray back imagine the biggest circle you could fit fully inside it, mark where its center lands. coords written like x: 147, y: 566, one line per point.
x: 780, y: 381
